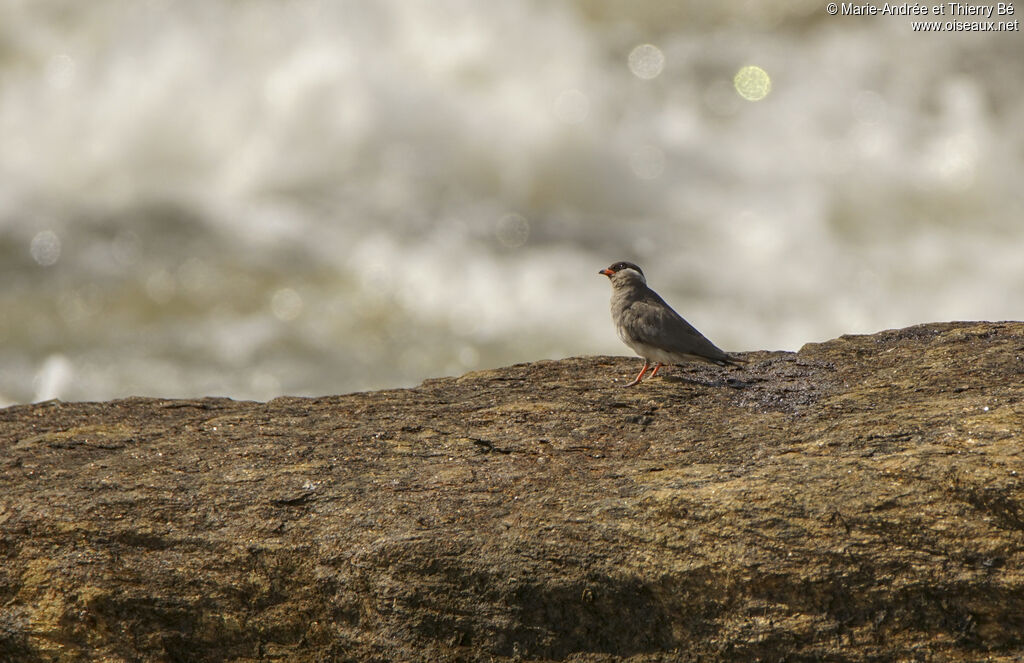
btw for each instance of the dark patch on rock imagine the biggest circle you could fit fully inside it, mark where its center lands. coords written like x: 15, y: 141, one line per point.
x: 859, y: 500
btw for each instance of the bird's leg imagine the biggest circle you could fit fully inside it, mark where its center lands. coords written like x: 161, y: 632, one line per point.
x: 640, y: 374
x: 655, y: 371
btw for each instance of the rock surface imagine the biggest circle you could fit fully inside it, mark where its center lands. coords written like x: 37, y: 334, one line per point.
x: 862, y: 499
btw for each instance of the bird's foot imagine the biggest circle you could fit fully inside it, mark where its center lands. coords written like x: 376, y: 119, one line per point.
x: 640, y: 375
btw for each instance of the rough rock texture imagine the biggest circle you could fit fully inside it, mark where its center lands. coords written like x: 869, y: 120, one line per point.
x: 861, y: 499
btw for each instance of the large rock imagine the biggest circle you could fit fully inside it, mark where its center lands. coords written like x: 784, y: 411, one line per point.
x: 861, y: 499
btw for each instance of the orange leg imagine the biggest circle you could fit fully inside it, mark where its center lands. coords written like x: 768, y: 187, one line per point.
x: 640, y: 374
x: 655, y: 371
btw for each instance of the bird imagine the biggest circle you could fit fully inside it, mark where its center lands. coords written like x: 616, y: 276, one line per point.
x: 648, y: 325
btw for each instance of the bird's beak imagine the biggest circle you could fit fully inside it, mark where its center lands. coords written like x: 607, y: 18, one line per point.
x: 606, y: 272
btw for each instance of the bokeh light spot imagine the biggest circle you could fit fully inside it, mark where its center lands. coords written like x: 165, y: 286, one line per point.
x: 512, y: 230
x: 45, y: 248
x: 60, y: 71
x: 161, y: 286
x: 53, y: 378
x: 286, y: 304
x: 752, y: 83
x: 953, y: 161
x: 646, y: 61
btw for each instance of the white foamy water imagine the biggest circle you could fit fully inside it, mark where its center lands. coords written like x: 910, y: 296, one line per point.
x: 259, y: 198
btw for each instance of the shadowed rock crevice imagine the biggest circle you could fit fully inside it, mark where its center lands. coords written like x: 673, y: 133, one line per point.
x: 859, y: 500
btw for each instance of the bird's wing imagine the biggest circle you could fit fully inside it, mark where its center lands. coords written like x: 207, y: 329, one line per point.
x: 652, y: 321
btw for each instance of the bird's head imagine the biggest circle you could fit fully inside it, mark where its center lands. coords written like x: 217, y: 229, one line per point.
x: 624, y: 273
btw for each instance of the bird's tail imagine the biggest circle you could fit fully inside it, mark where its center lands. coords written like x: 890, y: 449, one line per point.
x: 732, y: 360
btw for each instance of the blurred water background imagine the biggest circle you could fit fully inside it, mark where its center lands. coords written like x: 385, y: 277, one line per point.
x: 262, y: 197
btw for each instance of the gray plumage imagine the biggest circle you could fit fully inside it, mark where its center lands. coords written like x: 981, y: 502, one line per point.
x: 648, y: 325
